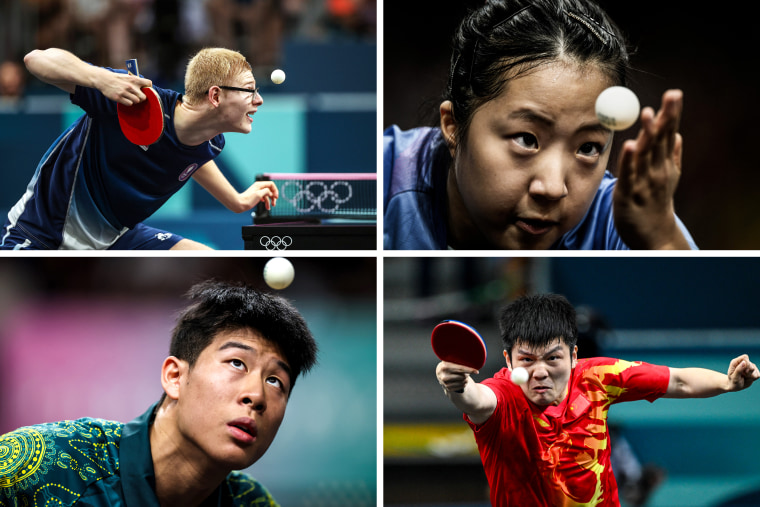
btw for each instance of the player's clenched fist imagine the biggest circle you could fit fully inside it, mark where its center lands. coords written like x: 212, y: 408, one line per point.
x: 742, y: 373
x: 453, y: 377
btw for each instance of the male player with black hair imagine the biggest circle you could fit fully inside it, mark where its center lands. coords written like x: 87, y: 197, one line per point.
x: 235, y: 356
x: 546, y: 442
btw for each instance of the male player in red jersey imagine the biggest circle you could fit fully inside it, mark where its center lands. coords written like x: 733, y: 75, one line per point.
x: 546, y: 442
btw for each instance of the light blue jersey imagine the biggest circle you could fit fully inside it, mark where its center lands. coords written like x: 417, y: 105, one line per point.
x: 414, y: 215
x: 93, y: 187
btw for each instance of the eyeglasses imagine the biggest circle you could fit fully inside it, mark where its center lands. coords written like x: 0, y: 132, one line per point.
x: 252, y: 91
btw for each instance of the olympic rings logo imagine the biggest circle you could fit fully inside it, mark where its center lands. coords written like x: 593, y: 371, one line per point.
x: 317, y: 195
x: 276, y: 242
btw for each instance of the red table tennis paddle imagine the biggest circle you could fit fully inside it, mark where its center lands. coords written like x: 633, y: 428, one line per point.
x: 142, y: 123
x: 456, y: 342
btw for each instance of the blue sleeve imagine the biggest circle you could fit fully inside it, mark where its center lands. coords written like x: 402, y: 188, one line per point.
x: 687, y: 235
x: 388, y: 157
x: 409, y: 220
x: 597, y: 230
x: 92, y: 101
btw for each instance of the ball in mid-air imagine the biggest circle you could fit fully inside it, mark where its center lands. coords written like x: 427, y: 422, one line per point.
x: 278, y: 273
x: 519, y: 376
x: 278, y: 76
x: 617, y: 108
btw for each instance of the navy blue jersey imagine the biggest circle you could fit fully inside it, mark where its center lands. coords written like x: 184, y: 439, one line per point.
x: 93, y: 185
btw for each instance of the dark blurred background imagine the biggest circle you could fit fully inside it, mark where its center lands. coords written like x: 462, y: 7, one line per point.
x: 709, y: 53
x: 678, y: 312
x: 323, y: 118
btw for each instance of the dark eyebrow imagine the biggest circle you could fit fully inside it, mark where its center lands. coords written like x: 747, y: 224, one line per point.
x: 595, y: 127
x: 248, y: 348
x: 547, y: 353
x: 235, y: 345
x: 531, y: 116
x: 536, y: 117
x: 285, y: 367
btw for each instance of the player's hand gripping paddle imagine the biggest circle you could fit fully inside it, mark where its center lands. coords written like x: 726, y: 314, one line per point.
x: 456, y: 342
x: 142, y: 123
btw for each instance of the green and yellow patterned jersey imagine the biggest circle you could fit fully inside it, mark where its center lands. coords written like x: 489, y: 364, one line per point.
x: 96, y: 463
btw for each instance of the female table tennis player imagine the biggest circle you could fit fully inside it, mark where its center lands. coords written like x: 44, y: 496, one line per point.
x: 519, y: 160
x: 93, y: 188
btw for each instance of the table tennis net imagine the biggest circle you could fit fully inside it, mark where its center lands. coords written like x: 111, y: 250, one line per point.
x: 318, y: 196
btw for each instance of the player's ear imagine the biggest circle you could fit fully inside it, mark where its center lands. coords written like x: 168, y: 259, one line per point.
x: 574, y: 360
x: 172, y: 373
x: 509, y: 362
x: 448, y: 125
x: 213, y: 95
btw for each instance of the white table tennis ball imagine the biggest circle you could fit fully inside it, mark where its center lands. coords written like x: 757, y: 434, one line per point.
x: 617, y: 108
x: 278, y: 76
x: 278, y: 273
x: 519, y: 376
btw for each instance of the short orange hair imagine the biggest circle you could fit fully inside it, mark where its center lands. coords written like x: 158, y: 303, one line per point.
x: 212, y: 67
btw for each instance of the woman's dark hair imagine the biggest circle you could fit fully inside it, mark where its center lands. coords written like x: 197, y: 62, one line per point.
x: 537, y: 321
x: 505, y: 38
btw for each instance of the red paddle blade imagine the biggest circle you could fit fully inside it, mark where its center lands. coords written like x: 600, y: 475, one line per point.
x: 456, y: 342
x: 142, y: 123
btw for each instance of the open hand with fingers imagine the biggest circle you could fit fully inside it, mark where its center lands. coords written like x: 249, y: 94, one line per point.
x: 265, y: 191
x: 648, y: 172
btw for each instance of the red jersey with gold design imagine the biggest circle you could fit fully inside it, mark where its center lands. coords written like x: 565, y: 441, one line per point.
x: 559, y: 456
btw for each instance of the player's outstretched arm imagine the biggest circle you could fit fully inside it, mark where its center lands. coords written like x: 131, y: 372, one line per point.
x: 475, y: 400
x: 648, y: 174
x: 66, y: 71
x: 702, y: 383
x: 210, y: 177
